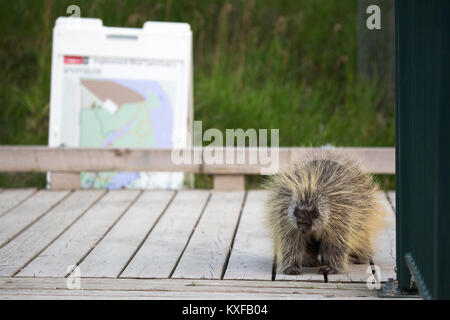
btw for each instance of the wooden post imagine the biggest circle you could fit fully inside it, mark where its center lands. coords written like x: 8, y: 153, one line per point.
x: 65, y: 181
x: 229, y: 182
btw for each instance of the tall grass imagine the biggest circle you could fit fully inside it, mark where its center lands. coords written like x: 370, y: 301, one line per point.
x: 257, y: 64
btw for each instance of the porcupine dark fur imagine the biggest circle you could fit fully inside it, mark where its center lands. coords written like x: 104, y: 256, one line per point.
x: 323, y: 205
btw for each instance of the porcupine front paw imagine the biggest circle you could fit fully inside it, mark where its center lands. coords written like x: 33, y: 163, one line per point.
x: 328, y: 269
x: 292, y: 270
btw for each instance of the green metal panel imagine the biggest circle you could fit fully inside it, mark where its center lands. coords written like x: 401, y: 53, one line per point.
x: 422, y: 145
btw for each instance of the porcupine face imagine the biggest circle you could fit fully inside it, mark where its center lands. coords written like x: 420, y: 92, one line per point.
x: 307, y: 216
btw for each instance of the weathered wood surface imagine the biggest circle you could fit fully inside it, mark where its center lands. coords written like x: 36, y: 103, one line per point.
x: 97, y: 288
x: 160, y: 252
x: 385, y: 246
x: 32, y: 241
x: 32, y: 158
x: 171, y: 295
x: 133, y: 236
x: 112, y: 253
x: 22, y: 216
x: 211, y: 242
x: 11, y: 198
x: 252, y: 254
x: 70, y: 248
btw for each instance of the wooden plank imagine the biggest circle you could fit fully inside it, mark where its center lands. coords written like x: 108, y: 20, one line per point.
x: 128, y: 284
x: 10, y: 198
x: 210, y: 244
x: 113, y: 252
x: 45, y: 159
x: 65, y: 181
x: 229, y: 182
x: 32, y: 241
x: 252, y: 254
x: 361, y: 272
x: 162, y: 249
x: 375, y: 160
x: 81, y: 237
x: 385, y: 243
x: 161, y: 295
x: 18, y: 219
x: 172, y: 288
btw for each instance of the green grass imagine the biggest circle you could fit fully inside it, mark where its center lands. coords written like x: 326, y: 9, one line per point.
x: 289, y: 65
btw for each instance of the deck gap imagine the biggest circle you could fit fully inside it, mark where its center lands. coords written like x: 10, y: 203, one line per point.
x: 112, y: 226
x: 51, y: 242
x: 274, y: 265
x: 374, y: 272
x: 148, y: 233
x: 230, y: 248
x: 389, y: 201
x: 190, y: 236
x: 38, y: 218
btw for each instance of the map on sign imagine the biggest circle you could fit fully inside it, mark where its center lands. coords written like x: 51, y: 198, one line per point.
x: 124, y: 113
x: 120, y: 103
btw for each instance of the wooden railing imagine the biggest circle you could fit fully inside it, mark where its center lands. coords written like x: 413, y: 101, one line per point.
x: 66, y: 163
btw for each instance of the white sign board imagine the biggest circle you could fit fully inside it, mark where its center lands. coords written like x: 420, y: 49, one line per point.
x: 123, y: 88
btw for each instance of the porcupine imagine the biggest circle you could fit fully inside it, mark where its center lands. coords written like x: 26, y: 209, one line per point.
x: 323, y: 205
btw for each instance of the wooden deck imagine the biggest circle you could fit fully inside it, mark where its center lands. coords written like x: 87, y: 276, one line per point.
x: 188, y: 244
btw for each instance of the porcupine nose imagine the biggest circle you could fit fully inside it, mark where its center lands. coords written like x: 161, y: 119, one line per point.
x: 303, y: 216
